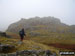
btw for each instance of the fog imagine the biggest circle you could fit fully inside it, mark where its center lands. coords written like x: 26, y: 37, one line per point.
x: 12, y: 10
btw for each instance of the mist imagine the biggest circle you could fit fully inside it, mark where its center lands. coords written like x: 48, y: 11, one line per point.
x: 13, y: 10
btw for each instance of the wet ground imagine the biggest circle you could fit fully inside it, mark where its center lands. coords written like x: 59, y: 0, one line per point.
x: 64, y: 46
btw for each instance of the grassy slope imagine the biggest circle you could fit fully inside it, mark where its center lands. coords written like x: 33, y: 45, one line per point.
x: 26, y: 45
x: 53, y: 38
x: 67, y: 38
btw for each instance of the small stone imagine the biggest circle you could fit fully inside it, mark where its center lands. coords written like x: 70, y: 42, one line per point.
x: 54, y: 54
x: 48, y: 52
x: 0, y: 43
x: 12, y: 54
x: 3, y: 55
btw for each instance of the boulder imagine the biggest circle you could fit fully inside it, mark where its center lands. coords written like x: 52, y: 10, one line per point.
x: 4, y: 34
x: 6, y: 48
x: 12, y: 54
x: 29, y: 53
x: 0, y: 43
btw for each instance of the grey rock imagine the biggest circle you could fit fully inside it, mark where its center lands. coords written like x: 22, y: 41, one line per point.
x: 2, y: 34
x: 3, y: 54
x: 54, y: 54
x: 12, y: 54
x: 6, y: 48
x: 29, y: 53
x: 24, y: 52
x: 0, y: 43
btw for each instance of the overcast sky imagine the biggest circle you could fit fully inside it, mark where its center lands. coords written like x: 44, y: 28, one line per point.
x: 12, y: 10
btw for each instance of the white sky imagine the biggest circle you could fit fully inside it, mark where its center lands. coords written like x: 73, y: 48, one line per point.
x: 12, y: 10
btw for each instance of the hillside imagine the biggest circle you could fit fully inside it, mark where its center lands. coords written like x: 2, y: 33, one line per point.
x: 41, y: 26
x: 26, y: 45
x: 46, y: 30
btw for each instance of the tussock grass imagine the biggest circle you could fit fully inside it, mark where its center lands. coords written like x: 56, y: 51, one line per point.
x: 26, y: 45
x: 56, y: 38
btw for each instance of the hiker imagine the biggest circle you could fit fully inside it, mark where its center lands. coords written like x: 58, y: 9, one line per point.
x: 22, y: 34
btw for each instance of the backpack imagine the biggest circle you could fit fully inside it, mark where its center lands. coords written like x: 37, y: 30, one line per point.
x: 21, y: 33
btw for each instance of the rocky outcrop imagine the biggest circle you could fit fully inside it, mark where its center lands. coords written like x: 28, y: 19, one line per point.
x: 28, y: 53
x: 45, y: 24
x: 30, y: 24
x: 4, y: 34
x: 6, y: 48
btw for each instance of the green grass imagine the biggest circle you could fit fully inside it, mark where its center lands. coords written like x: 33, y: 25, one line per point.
x: 26, y: 45
x: 56, y: 38
x: 46, y: 38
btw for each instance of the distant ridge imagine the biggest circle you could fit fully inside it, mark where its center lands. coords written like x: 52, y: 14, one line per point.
x: 41, y: 26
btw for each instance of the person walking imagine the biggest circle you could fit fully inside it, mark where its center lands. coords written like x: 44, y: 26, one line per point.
x: 22, y: 34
